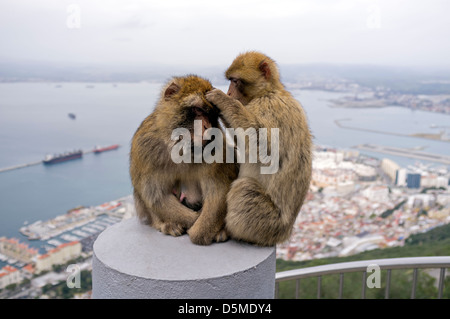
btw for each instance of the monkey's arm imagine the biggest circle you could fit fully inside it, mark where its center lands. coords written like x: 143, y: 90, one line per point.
x: 233, y: 112
x: 211, y: 222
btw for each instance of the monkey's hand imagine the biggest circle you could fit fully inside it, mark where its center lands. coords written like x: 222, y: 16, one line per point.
x: 219, y: 99
x: 232, y: 111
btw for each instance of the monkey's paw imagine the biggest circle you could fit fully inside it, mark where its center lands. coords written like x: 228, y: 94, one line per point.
x: 200, y: 236
x: 217, y: 98
x: 172, y: 229
x: 221, y: 236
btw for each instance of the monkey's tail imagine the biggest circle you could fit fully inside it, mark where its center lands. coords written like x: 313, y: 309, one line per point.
x: 252, y: 215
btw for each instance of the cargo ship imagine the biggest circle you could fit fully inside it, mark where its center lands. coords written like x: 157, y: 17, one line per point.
x: 99, y: 149
x: 53, y: 159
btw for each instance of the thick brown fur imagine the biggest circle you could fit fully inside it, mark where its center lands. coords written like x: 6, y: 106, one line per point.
x: 155, y: 177
x: 262, y: 208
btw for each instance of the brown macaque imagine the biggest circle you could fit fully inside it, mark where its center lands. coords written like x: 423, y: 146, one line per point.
x: 262, y: 208
x: 186, y: 196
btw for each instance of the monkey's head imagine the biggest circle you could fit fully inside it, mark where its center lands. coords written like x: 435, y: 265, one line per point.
x: 251, y: 75
x: 185, y: 102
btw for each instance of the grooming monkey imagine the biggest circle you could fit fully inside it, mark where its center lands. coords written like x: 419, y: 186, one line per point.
x: 262, y: 208
x: 162, y: 186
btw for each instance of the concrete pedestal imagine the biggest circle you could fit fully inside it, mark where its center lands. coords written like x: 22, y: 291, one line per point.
x: 133, y: 261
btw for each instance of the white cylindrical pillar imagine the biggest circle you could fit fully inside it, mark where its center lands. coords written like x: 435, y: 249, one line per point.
x: 132, y: 260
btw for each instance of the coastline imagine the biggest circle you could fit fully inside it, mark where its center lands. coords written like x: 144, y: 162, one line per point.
x: 427, y: 136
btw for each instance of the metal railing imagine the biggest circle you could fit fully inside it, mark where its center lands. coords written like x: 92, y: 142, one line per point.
x: 414, y: 263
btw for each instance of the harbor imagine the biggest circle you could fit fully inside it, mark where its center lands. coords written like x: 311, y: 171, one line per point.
x: 81, y: 224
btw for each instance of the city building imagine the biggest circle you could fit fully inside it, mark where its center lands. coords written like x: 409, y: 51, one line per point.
x: 433, y: 180
x: 60, y: 255
x: 14, y: 249
x: 365, y: 173
x: 390, y: 168
x: 400, y: 177
x: 331, y: 177
x: 413, y: 180
x: 421, y: 200
x: 8, y: 276
x: 377, y: 193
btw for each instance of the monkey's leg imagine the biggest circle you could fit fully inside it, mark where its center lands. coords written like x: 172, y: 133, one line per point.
x: 252, y: 216
x: 210, y: 224
x: 174, y: 218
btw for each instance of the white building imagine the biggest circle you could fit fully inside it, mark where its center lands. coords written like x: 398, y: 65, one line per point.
x: 60, y: 255
x: 335, y: 157
x: 401, y: 177
x: 433, y: 180
x: 377, y: 193
x: 9, y: 275
x: 344, y: 188
x: 365, y: 172
x: 421, y: 200
x: 390, y: 168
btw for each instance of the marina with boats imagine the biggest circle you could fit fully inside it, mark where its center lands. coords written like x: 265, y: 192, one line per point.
x: 81, y: 224
x: 77, y: 223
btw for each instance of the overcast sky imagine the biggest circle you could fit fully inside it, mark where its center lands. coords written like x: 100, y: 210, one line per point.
x: 205, y: 32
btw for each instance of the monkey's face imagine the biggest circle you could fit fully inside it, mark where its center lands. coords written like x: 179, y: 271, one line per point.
x: 188, y: 105
x: 236, y: 90
x: 251, y: 75
x: 197, y: 118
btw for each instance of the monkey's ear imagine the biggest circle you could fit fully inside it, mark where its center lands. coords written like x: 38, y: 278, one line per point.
x: 265, y: 69
x: 171, y: 90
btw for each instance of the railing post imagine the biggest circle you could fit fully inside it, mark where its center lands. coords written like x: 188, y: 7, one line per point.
x: 388, y: 284
x: 341, y: 284
x: 297, y: 288
x: 364, y: 284
x: 441, y: 283
x: 414, y: 284
x: 319, y: 284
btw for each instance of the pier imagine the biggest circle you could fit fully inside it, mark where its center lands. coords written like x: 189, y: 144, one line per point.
x: 11, y: 168
x: 444, y: 159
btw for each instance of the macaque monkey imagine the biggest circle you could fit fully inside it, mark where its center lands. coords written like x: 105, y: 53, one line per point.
x: 179, y: 197
x: 262, y: 208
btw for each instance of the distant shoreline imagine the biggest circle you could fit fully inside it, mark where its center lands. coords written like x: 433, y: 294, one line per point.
x: 381, y: 103
x: 427, y: 136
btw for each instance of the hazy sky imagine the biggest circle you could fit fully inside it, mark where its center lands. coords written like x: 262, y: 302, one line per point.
x: 202, y: 32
